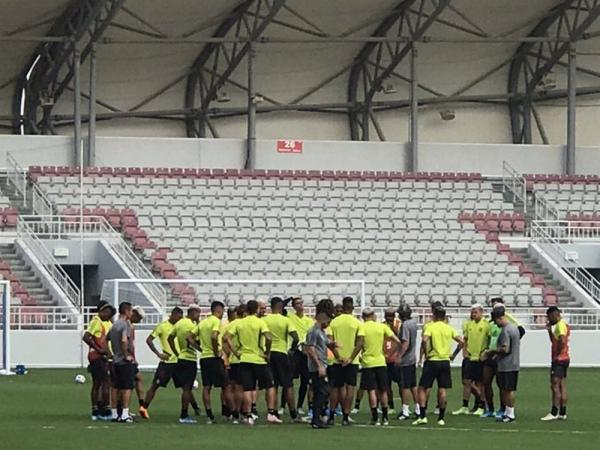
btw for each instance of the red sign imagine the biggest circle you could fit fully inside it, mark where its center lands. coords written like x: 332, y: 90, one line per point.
x: 287, y: 146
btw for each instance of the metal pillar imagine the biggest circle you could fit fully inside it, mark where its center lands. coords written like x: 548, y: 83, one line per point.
x: 77, y: 104
x: 571, y: 111
x: 251, y: 143
x: 91, y: 157
x: 414, y: 111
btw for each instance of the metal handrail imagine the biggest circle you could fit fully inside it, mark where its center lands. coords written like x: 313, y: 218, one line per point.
x: 544, y: 210
x: 580, y: 274
x: 40, y: 203
x: 513, y: 183
x: 57, y: 318
x: 570, y: 231
x: 52, y: 266
x: 17, y: 176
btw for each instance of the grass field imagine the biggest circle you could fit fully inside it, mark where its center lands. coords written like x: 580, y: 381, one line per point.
x: 46, y: 409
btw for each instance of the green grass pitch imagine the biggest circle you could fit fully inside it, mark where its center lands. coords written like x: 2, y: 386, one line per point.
x: 46, y: 410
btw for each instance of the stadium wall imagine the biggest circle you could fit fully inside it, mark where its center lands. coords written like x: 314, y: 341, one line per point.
x: 64, y: 348
x: 317, y: 155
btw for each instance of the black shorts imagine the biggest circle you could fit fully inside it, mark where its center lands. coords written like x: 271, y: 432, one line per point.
x: 234, y: 374
x: 213, y: 372
x: 559, y: 369
x: 99, y: 370
x: 341, y: 376
x: 300, y: 362
x: 253, y: 374
x: 185, y: 374
x: 463, y: 369
x: 374, y: 378
x: 393, y: 373
x: 436, y: 371
x: 508, y: 381
x: 164, y: 373
x: 281, y: 368
x: 123, y: 376
x: 473, y: 370
x: 408, y: 376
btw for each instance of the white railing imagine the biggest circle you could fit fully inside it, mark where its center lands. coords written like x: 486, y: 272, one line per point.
x: 544, y: 210
x: 48, y: 262
x: 568, y: 231
x: 553, y: 246
x: 40, y: 204
x: 17, y: 176
x: 94, y: 227
x: 513, y: 183
x: 60, y: 318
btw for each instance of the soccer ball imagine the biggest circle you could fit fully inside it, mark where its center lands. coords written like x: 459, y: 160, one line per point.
x: 79, y: 379
x: 196, y: 384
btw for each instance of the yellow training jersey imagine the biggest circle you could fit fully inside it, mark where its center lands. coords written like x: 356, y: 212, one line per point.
x: 181, y: 330
x: 302, y: 325
x: 280, y: 327
x: 477, y: 335
x: 162, y: 332
x: 205, y: 330
x: 441, y: 336
x: 375, y: 335
x: 345, y: 329
x: 249, y: 332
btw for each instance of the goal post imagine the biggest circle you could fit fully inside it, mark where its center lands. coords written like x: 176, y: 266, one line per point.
x: 6, y: 313
x: 232, y: 291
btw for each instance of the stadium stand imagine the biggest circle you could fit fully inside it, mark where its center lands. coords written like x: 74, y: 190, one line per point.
x: 572, y: 196
x: 419, y: 237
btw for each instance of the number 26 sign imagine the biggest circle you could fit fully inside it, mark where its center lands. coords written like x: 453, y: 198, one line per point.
x: 288, y: 146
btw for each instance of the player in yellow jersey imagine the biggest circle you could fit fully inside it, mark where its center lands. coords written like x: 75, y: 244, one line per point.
x: 212, y: 367
x: 184, y: 345
x: 436, y: 344
x: 303, y: 324
x: 95, y: 338
x: 250, y: 332
x: 348, y: 334
x: 167, y: 359
x: 559, y: 333
x: 476, y: 335
x: 374, y: 375
x: 229, y: 346
x: 282, y: 330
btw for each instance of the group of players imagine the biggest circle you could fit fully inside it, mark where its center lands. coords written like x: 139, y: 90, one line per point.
x: 253, y: 351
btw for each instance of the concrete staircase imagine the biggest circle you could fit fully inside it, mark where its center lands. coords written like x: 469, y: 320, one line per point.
x: 565, y: 298
x: 27, y: 276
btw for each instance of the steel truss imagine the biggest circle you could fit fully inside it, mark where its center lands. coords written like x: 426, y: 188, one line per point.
x: 533, y: 61
x: 377, y: 60
x: 51, y: 67
x: 217, y: 61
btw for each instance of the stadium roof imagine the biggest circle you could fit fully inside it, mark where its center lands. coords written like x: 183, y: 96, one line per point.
x: 155, y: 59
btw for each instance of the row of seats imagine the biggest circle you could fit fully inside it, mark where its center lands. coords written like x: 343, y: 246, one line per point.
x: 37, y: 171
x: 19, y: 292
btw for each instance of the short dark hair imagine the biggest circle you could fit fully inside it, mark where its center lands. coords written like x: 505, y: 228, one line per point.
x: 124, y: 307
x: 404, y: 312
x: 325, y: 306
x: 295, y: 299
x: 231, y: 311
x: 496, y: 300
x: 241, y: 309
x: 439, y: 313
x: 436, y: 304
x: 252, y: 307
x: 552, y: 309
x: 216, y: 304
x: 347, y: 303
x: 177, y: 310
x: 275, y: 301
x: 499, y: 312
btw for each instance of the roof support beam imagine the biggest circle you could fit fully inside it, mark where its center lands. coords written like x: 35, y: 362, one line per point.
x: 50, y: 68
x: 533, y: 61
x: 247, y: 20
x: 377, y: 61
